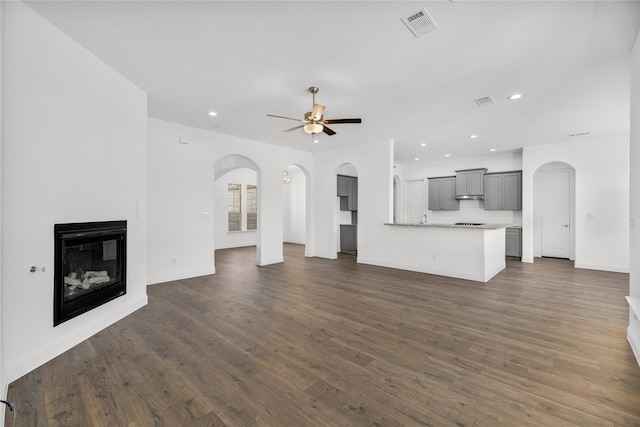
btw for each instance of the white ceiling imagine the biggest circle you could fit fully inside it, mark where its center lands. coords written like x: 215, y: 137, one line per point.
x: 570, y: 60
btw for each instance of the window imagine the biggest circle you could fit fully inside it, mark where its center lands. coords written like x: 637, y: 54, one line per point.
x: 234, y: 197
x: 252, y: 207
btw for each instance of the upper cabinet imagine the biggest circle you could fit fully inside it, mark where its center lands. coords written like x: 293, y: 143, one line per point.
x: 343, y: 185
x: 442, y: 194
x: 503, y: 191
x: 470, y: 182
x: 348, y: 192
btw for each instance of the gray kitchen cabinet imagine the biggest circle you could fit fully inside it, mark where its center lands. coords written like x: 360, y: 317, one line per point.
x: 348, y: 238
x: 470, y: 182
x: 503, y: 191
x: 512, y: 191
x: 492, y: 191
x: 343, y: 185
x: 513, y: 242
x: 442, y: 194
x: 348, y: 192
x: 353, y: 194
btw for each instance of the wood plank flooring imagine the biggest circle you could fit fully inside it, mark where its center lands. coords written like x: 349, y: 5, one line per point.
x: 316, y: 342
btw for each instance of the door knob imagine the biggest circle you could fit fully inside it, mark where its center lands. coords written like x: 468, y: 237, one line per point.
x: 565, y: 225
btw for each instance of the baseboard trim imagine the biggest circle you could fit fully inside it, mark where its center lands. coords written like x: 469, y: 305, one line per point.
x: 41, y: 356
x: 435, y: 271
x: 235, y: 245
x: 635, y: 345
x: 277, y: 260
x: 179, y: 276
x: 602, y: 267
x: 295, y: 242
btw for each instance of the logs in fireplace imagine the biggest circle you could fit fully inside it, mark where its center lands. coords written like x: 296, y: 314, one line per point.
x: 90, y: 266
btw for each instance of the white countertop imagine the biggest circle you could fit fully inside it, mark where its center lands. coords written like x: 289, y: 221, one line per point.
x: 475, y: 227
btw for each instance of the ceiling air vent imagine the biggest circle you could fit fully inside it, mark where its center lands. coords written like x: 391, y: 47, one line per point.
x: 420, y: 23
x: 483, y: 101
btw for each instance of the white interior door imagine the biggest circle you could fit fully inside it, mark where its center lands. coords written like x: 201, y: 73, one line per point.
x: 415, y: 201
x: 555, y: 213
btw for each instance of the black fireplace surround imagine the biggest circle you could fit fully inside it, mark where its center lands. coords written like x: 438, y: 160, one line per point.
x: 90, y: 266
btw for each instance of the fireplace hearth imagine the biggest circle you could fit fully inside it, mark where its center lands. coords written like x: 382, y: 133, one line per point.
x: 90, y: 266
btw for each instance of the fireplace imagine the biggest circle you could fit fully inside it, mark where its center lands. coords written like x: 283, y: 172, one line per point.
x: 90, y: 266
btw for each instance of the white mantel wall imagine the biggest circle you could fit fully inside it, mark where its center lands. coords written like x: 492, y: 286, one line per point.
x: 181, y: 220
x: 633, y: 332
x: 74, y: 150
x: 3, y: 383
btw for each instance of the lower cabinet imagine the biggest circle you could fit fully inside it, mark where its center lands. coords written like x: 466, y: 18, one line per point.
x: 348, y: 238
x: 514, y: 242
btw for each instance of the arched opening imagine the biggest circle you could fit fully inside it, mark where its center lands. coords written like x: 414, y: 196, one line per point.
x: 236, y: 193
x: 295, y: 215
x: 554, y: 211
x: 347, y: 210
x: 397, y: 202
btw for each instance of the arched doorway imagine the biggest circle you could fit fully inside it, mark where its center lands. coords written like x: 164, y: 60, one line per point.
x: 554, y: 211
x: 397, y: 201
x: 295, y: 215
x: 347, y: 209
x: 237, y: 190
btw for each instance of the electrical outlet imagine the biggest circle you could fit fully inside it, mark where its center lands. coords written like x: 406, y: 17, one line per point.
x: 174, y: 261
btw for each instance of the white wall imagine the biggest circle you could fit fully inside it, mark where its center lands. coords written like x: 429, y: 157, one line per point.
x: 181, y: 198
x: 224, y: 237
x: 633, y: 332
x: 601, y: 199
x: 74, y: 151
x: 470, y: 210
x: 295, y: 209
x: 3, y: 383
x: 374, y: 167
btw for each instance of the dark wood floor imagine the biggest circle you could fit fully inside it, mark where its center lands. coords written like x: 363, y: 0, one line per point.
x: 315, y: 342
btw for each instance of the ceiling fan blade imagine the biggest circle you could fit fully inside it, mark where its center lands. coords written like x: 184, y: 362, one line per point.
x: 327, y: 131
x: 338, y: 121
x: 283, y: 117
x: 293, y: 128
x: 318, y: 111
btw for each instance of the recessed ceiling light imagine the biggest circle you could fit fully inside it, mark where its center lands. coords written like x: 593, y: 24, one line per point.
x: 492, y: 149
x: 515, y: 96
x: 315, y: 141
x: 423, y: 145
x: 416, y: 158
x: 213, y: 113
x: 447, y: 155
x: 473, y: 136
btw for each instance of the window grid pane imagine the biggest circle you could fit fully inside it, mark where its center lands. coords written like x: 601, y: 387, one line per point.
x: 234, y: 207
x: 252, y: 207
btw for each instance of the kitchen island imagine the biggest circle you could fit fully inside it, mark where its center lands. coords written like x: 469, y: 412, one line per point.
x: 472, y: 252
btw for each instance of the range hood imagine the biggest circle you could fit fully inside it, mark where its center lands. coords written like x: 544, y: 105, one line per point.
x: 470, y: 184
x: 470, y: 197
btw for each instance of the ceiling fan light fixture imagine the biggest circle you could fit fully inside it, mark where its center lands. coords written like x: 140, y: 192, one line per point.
x: 313, y: 128
x: 318, y: 111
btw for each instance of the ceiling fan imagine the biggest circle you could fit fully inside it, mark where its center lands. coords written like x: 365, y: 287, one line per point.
x: 313, y: 121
